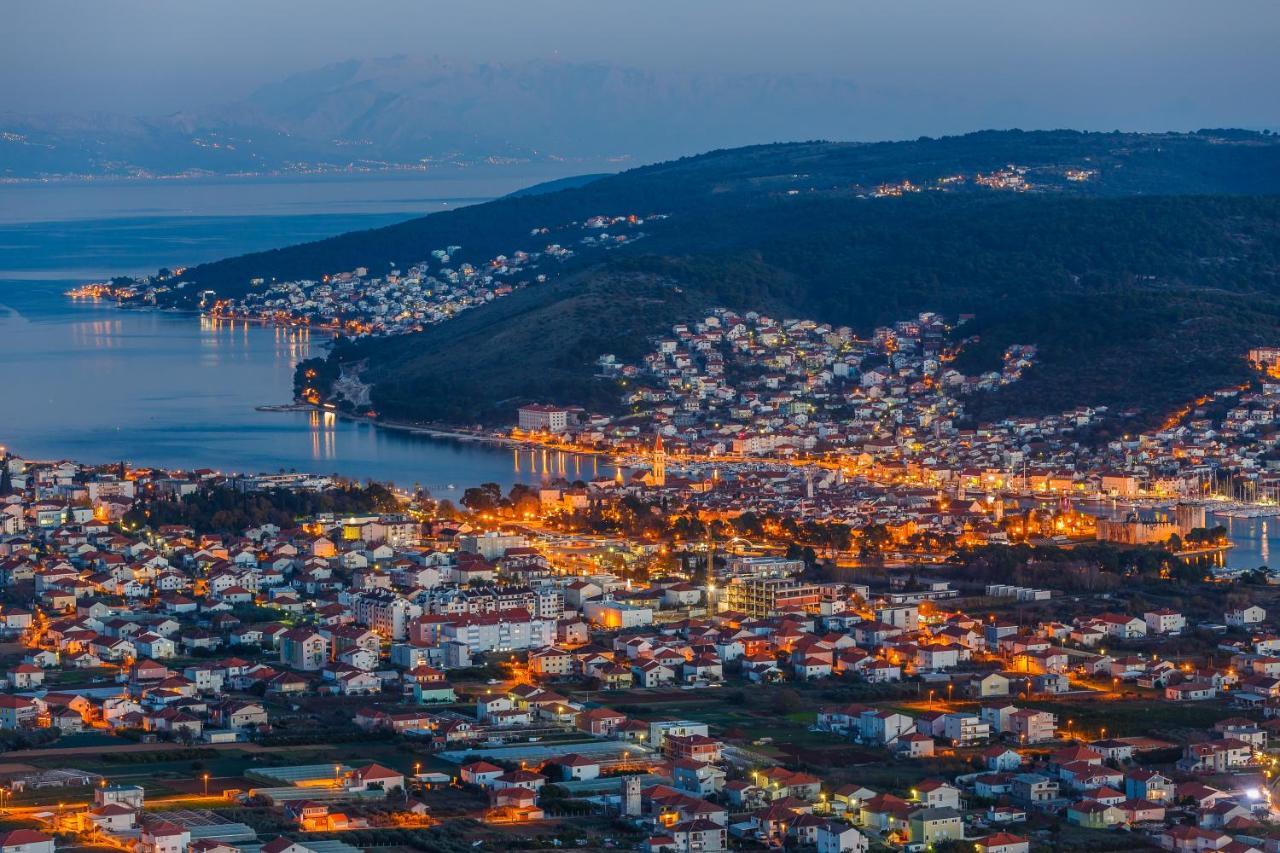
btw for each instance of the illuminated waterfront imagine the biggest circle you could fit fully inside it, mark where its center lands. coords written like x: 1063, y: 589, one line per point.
x: 94, y: 381
x: 172, y: 390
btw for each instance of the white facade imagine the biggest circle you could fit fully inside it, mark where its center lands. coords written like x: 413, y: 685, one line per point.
x: 962, y: 729
x: 385, y: 612
x: 495, y: 633
x: 841, y: 838
x: 543, y: 418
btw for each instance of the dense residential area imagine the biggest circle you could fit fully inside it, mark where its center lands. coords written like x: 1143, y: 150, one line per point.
x: 726, y: 426
x: 791, y: 592
x: 614, y: 662
x: 752, y: 416
x: 359, y: 303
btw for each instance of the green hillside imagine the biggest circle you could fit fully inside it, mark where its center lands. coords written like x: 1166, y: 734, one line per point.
x: 758, y: 179
x: 1142, y: 284
x: 1134, y: 303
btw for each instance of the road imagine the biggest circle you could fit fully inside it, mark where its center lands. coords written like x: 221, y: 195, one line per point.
x: 66, y: 807
x: 52, y: 752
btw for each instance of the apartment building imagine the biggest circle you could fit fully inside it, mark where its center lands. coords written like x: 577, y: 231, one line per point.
x: 760, y: 597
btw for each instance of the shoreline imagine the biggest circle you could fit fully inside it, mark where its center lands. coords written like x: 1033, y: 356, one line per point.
x: 430, y: 431
x: 267, y: 322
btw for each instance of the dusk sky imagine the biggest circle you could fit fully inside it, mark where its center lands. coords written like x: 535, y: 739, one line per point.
x: 931, y: 67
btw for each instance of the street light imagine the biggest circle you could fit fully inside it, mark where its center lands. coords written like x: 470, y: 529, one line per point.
x: 206, y: 784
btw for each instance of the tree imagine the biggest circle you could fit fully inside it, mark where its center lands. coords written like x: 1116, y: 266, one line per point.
x: 786, y: 701
x: 524, y: 500
x: 553, y: 792
x: 748, y: 524
x: 383, y: 499
x: 486, y: 497
x: 875, y: 539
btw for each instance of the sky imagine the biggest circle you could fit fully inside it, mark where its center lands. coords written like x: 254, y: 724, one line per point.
x: 931, y: 66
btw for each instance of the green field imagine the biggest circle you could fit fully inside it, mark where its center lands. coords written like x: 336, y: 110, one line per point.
x: 1130, y: 718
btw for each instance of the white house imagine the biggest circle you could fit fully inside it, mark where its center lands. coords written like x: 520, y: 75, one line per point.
x: 1120, y: 626
x: 1167, y: 622
x: 26, y: 841
x: 1245, y: 617
x: 836, y: 837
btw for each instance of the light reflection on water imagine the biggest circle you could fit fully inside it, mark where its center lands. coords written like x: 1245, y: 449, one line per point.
x: 94, y: 382
x: 88, y: 381
x: 1250, y: 537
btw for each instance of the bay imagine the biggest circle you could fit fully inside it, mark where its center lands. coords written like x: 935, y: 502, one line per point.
x: 92, y: 382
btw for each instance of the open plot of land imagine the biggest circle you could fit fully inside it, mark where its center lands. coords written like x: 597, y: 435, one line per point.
x: 537, y: 753
x: 1132, y: 717
x: 132, y: 746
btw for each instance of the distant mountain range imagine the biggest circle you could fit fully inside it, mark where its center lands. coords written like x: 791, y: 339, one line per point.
x: 1142, y: 266
x: 414, y: 111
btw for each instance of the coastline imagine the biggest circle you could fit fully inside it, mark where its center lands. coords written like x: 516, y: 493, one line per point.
x: 265, y: 321
x: 442, y: 432
x: 431, y: 431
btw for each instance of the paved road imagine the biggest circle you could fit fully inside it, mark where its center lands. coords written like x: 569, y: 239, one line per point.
x: 51, y: 752
x: 28, y: 812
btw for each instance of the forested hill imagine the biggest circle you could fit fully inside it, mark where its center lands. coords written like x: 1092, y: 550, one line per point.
x: 1235, y: 162
x: 1142, y: 266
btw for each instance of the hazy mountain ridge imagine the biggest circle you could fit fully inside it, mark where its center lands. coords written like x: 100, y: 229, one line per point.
x: 730, y: 184
x: 405, y: 111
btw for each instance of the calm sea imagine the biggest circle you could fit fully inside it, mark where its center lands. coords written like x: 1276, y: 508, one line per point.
x: 93, y: 382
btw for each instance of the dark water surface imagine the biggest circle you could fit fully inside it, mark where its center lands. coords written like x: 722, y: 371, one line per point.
x: 93, y: 382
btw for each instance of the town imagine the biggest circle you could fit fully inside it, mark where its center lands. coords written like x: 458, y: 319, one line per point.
x: 790, y: 595
x: 287, y: 662
x: 713, y: 427
x: 755, y: 418
x: 357, y: 303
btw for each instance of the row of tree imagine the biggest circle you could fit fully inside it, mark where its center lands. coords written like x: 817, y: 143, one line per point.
x: 222, y: 509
